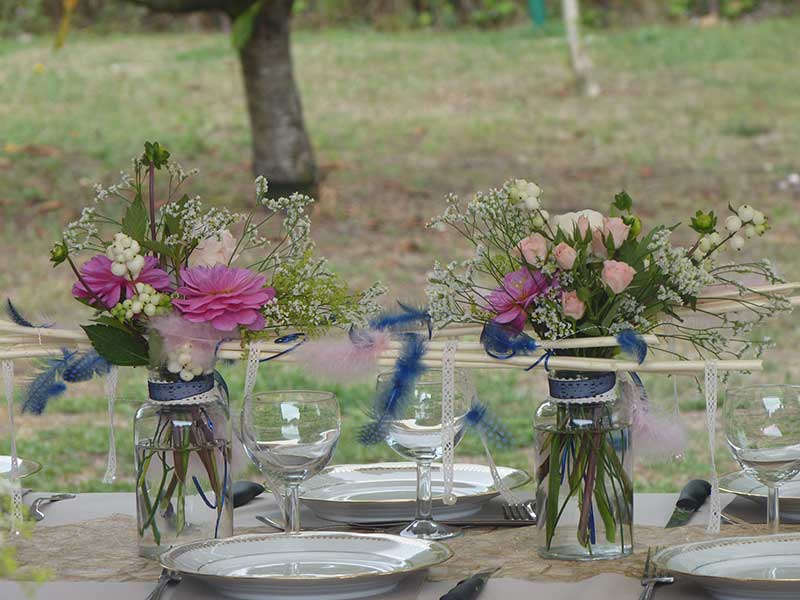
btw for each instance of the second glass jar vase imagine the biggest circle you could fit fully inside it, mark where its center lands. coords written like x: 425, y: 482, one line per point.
x: 584, y: 467
x: 182, y: 440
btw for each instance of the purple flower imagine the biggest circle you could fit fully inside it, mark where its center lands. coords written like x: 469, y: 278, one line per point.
x: 511, y: 300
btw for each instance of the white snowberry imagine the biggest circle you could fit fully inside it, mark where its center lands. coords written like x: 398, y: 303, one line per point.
x: 737, y: 242
x: 758, y: 217
x: 733, y: 223
x: 746, y: 213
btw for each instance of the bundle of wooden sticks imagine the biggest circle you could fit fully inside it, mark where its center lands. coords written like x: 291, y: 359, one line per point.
x: 18, y: 342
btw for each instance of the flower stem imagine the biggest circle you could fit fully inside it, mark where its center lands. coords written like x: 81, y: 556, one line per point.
x: 151, y: 175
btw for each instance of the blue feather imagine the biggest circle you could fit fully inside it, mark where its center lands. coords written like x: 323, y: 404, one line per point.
x: 16, y: 316
x: 45, y: 385
x: 50, y: 381
x: 395, y: 321
x: 390, y: 399
x: 501, y: 341
x: 495, y: 433
x: 630, y: 342
x: 83, y: 368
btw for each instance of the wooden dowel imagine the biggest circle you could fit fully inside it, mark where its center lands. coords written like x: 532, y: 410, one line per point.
x: 754, y: 291
x: 726, y: 306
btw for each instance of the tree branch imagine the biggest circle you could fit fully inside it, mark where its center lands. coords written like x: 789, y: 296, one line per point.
x: 231, y: 7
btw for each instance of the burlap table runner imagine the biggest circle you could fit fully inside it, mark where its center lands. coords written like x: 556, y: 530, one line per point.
x: 104, y: 549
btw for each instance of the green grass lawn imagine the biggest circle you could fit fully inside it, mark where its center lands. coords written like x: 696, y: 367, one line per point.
x: 688, y: 118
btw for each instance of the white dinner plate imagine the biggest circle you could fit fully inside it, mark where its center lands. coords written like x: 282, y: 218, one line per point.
x: 745, y: 568
x: 26, y: 467
x: 387, y: 491
x: 743, y: 485
x: 320, y: 565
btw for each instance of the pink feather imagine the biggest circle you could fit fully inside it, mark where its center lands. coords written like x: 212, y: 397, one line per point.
x: 339, y: 358
x: 656, y: 435
x: 175, y: 331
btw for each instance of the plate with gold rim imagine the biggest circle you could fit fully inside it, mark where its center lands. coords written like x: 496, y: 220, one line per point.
x: 743, y: 568
x: 387, y: 491
x: 26, y: 467
x: 313, y: 564
x: 743, y: 485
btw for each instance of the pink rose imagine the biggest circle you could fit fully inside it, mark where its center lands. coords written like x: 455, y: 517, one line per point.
x: 617, y: 228
x: 598, y: 245
x: 617, y: 275
x: 533, y: 248
x: 583, y: 225
x: 213, y: 251
x: 572, y: 306
x: 565, y: 255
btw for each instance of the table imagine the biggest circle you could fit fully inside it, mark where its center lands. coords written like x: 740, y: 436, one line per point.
x: 651, y: 511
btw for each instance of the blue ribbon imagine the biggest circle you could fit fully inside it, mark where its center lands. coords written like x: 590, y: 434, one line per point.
x: 287, y: 339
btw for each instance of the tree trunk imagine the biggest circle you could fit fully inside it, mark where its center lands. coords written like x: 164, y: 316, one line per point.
x: 281, y: 147
x: 581, y: 65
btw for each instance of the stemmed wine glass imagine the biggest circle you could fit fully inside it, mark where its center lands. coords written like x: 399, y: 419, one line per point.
x: 762, y: 428
x: 416, y: 433
x: 290, y: 436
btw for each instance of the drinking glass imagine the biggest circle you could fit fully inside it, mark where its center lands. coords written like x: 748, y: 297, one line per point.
x: 762, y: 428
x: 416, y: 433
x: 290, y: 436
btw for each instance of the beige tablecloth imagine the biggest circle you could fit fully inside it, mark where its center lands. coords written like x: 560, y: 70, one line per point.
x: 118, y: 574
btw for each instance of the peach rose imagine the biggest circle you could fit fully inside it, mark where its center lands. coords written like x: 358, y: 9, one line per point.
x: 598, y: 246
x: 617, y: 275
x: 213, y: 251
x: 572, y: 306
x: 583, y: 225
x: 533, y: 247
x: 617, y: 228
x: 565, y: 255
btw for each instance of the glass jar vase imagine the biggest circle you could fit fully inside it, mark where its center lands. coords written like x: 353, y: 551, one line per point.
x: 584, y: 469
x: 182, y: 437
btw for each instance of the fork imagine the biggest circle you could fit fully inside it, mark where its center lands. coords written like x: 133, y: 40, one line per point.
x: 652, y: 575
x: 36, y: 505
x: 519, y: 512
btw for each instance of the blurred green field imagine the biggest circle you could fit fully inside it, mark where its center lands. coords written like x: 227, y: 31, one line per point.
x: 688, y: 118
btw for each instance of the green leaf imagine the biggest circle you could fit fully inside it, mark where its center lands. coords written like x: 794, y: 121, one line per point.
x: 111, y: 322
x: 118, y: 347
x: 172, y: 224
x: 242, y: 28
x: 623, y: 202
x: 156, y: 246
x: 135, y: 221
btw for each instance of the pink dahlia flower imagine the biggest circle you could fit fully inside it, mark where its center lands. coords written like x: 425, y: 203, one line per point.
x: 110, y: 288
x: 223, y: 296
x: 511, y: 300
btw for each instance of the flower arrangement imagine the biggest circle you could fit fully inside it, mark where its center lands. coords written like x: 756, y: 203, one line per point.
x: 169, y: 271
x: 586, y: 274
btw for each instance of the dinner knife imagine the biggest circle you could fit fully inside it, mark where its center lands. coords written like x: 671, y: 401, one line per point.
x: 692, y: 497
x: 470, y: 588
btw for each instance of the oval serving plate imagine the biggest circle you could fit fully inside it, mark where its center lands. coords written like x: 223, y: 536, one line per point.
x: 26, y: 467
x: 744, y: 568
x: 387, y: 491
x: 743, y: 485
x: 318, y: 564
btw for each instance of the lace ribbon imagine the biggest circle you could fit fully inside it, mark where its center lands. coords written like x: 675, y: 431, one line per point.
x: 250, y: 377
x: 448, y: 416
x: 16, y: 494
x: 711, y: 422
x: 111, y: 393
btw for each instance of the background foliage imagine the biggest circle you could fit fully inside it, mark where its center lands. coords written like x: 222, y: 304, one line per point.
x: 41, y: 16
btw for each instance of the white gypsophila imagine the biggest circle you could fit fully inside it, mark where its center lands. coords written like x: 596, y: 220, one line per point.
x: 79, y: 235
x: 680, y: 273
x: 196, y: 224
x: 631, y: 311
x: 448, y: 294
x: 551, y: 321
x: 262, y: 187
